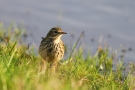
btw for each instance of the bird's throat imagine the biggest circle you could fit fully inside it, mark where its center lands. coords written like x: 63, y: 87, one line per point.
x: 58, y: 39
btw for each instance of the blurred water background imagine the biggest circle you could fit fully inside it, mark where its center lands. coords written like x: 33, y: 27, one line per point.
x: 113, y: 21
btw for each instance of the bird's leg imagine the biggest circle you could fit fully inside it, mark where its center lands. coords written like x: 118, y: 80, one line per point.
x: 43, y: 66
x: 53, y: 67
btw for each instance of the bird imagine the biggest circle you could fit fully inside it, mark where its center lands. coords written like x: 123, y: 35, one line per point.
x: 52, y: 48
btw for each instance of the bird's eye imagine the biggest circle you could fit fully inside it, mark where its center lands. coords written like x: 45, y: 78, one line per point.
x: 56, y: 32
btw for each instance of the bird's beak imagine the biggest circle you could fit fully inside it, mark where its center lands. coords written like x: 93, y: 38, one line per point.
x: 62, y: 32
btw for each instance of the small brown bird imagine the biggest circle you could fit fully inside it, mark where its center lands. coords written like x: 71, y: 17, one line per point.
x: 51, y: 48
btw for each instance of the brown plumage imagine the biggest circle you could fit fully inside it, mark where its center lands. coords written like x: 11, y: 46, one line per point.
x: 51, y: 48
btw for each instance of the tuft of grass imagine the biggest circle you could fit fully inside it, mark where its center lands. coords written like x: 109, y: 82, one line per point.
x: 19, y: 69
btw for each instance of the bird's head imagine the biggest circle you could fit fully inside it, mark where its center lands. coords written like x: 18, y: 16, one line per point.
x: 55, y: 33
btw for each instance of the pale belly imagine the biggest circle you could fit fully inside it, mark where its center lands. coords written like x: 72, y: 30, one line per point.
x: 52, y: 52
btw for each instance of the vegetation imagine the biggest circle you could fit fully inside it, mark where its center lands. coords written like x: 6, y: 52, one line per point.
x: 20, y: 68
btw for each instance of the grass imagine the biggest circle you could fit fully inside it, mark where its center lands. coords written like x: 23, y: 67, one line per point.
x: 19, y: 68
